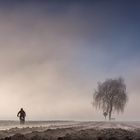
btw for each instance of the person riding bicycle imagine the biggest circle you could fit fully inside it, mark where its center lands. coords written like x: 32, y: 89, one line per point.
x: 21, y: 114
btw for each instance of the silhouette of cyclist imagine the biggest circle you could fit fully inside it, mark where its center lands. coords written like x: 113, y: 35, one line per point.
x: 21, y: 114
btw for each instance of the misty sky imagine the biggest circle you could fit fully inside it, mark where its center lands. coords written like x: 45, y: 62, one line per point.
x: 52, y: 54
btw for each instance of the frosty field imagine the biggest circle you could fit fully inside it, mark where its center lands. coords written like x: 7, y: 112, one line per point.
x: 69, y: 130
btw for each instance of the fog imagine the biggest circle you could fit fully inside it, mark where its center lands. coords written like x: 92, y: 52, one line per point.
x: 53, y: 54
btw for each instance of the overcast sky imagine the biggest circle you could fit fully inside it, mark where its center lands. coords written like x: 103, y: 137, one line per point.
x: 52, y: 54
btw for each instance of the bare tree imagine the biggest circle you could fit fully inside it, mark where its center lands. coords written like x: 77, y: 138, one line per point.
x: 111, y: 96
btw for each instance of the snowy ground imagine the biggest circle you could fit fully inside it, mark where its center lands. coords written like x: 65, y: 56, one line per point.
x: 74, y: 129
x: 110, y: 124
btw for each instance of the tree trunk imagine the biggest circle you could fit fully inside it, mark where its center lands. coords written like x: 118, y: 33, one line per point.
x: 110, y: 112
x: 109, y: 115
